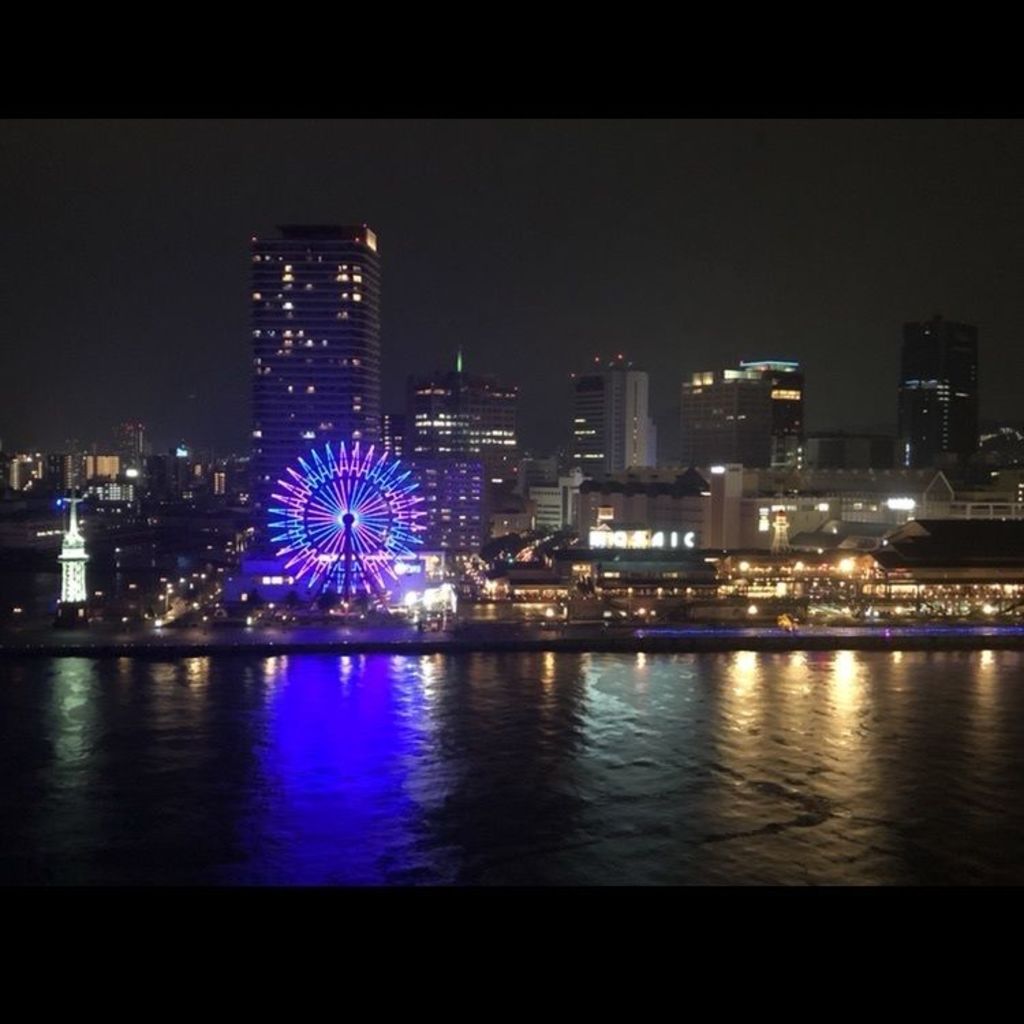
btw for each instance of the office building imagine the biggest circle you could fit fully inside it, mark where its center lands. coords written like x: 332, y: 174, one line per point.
x: 130, y: 438
x: 751, y: 415
x: 63, y: 472
x: 463, y: 415
x: 611, y: 427
x: 554, y: 503
x: 536, y: 472
x: 392, y: 433
x: 938, y: 393
x: 316, y: 346
x: 452, y: 489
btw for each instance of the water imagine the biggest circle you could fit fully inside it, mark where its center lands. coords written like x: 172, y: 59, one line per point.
x: 801, y: 768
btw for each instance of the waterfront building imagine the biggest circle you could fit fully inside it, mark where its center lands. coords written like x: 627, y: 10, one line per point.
x: 611, y: 426
x: 751, y: 415
x: 316, y: 346
x: 938, y: 393
x: 659, y: 501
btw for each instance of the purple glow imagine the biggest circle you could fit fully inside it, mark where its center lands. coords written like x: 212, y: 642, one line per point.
x: 344, y: 518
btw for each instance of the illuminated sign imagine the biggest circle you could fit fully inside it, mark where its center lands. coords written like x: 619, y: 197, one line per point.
x: 641, y: 539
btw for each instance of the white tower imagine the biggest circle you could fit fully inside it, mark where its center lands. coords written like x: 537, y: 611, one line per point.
x: 72, y: 563
x: 780, y: 536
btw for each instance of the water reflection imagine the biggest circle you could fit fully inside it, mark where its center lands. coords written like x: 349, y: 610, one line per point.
x: 515, y: 768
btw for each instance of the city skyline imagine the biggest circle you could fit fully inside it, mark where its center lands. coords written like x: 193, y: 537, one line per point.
x: 526, y: 503
x: 507, y: 262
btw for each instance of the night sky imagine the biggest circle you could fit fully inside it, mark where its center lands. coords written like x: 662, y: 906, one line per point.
x: 532, y: 245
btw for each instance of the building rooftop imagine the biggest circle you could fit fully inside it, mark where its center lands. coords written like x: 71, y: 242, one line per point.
x: 955, y: 542
x: 325, y: 231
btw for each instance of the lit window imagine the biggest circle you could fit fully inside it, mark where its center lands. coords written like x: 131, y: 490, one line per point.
x: 288, y: 305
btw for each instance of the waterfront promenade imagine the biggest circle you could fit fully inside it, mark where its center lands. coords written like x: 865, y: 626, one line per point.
x: 199, y: 641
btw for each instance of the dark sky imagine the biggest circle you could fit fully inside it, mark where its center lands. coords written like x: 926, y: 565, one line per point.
x: 532, y: 244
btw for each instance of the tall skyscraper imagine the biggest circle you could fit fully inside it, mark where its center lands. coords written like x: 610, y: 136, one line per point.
x: 611, y: 427
x: 458, y: 414
x: 316, y: 346
x: 751, y: 415
x: 938, y: 392
x: 130, y: 444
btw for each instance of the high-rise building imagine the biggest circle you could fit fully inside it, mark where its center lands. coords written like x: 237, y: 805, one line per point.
x: 452, y: 490
x: 938, y: 392
x: 752, y: 415
x: 392, y: 433
x: 611, y: 427
x: 131, y: 444
x: 458, y: 414
x: 316, y: 346
x: 102, y: 467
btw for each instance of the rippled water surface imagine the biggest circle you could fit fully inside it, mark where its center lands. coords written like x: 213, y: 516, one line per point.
x: 514, y: 769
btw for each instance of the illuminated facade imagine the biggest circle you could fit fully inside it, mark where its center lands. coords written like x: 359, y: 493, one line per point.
x: 316, y: 346
x: 392, y: 433
x: 453, y: 502
x: 102, y: 467
x: 343, y: 518
x: 659, y: 502
x: 72, y: 561
x: 464, y: 415
x: 938, y: 393
x: 611, y: 427
x: 751, y: 415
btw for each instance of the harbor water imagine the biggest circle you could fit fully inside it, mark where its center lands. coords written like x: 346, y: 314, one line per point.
x: 822, y: 768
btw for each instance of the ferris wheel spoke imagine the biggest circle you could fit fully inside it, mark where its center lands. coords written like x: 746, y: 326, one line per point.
x: 313, y: 502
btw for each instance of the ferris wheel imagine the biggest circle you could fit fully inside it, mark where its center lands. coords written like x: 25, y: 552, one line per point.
x: 344, y: 517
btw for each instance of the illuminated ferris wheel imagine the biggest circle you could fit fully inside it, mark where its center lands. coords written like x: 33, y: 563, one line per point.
x: 344, y: 517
